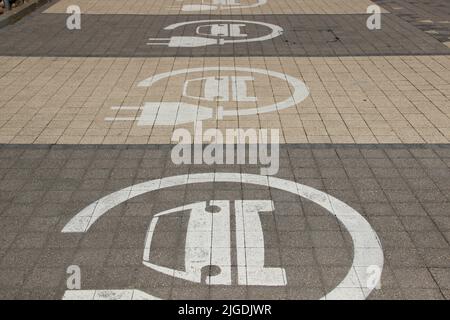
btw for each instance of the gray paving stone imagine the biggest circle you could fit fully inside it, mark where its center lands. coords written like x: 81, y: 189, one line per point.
x: 387, y: 294
x: 439, y: 258
x: 304, y: 35
x: 422, y: 294
x: 300, y: 236
x: 429, y: 239
x: 11, y: 279
x: 23, y: 259
x: 415, y: 278
x: 47, y: 278
x: 90, y: 257
x: 403, y: 257
x: 442, y: 277
x: 422, y: 224
x: 31, y: 240
x: 426, y: 15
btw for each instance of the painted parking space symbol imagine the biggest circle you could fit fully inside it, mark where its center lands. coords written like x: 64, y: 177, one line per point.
x: 226, y: 86
x: 218, y: 5
x: 209, y: 229
x: 215, y: 32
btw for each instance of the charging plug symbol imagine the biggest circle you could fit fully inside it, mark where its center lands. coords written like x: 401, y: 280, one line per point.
x: 218, y: 30
x: 207, y: 34
x: 184, y: 42
x: 164, y: 113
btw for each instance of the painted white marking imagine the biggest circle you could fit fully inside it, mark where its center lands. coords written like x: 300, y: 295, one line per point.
x: 175, y: 113
x: 218, y: 89
x: 203, y: 246
x: 208, y: 244
x: 217, y: 28
x: 250, y: 246
x: 239, y: 87
x: 107, y: 295
x: 222, y: 30
x: 362, y: 234
x: 221, y: 5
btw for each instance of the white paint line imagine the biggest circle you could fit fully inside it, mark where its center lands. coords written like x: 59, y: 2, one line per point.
x: 252, y: 232
x: 107, y: 295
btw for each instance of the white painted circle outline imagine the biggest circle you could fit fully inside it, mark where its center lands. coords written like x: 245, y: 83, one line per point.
x: 301, y: 91
x: 366, y: 244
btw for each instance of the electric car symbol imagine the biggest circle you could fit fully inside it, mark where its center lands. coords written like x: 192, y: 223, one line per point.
x: 208, y: 243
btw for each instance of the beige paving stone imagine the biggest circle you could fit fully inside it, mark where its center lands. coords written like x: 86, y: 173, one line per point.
x: 366, y: 139
x: 46, y: 139
x: 395, y: 99
x: 92, y: 140
x: 175, y: 7
x: 69, y: 139
x: 318, y: 139
x: 23, y: 139
x: 6, y: 139
x: 342, y: 139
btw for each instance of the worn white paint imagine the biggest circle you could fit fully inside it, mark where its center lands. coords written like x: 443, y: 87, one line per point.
x: 250, y: 246
x: 107, y: 295
x: 224, y: 88
x: 208, y: 243
x: 367, y: 247
x: 222, y: 30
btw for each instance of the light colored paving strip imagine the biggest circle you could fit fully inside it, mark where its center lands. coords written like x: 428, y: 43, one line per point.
x: 403, y: 99
x: 167, y: 7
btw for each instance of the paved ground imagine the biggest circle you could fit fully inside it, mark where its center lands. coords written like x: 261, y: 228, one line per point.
x: 431, y: 17
x: 363, y: 117
x: 304, y: 35
x: 403, y: 192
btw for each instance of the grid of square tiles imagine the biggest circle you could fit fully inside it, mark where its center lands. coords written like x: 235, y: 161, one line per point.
x: 431, y: 16
x: 402, y: 191
x: 174, y: 7
x: 122, y: 35
x: 352, y: 99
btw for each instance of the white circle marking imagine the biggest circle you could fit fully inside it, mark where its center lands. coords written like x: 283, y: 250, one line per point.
x: 367, y: 248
